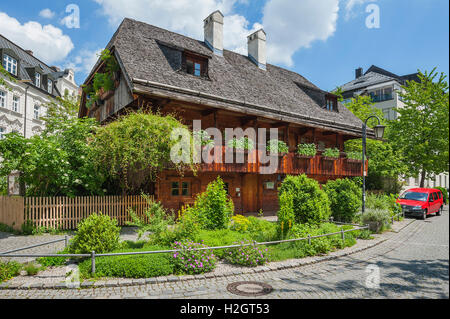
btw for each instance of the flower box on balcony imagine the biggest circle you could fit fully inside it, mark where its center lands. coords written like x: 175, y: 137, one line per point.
x: 354, y: 161
x: 326, y: 158
x: 305, y: 156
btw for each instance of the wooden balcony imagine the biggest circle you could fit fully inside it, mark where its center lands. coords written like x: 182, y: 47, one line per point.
x: 290, y: 164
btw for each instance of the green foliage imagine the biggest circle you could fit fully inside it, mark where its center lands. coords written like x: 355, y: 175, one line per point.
x: 250, y: 256
x: 203, y: 138
x: 379, y: 219
x: 220, y: 237
x: 8, y: 229
x: 243, y: 143
x: 213, y: 208
x: 307, y: 149
x: 134, y: 148
x: 345, y: 199
x: 277, y: 147
x: 97, y: 233
x: 310, y: 203
x: 31, y: 269
x: 331, y: 152
x: 444, y: 193
x: 262, y: 230
x: 191, y: 261
x: 354, y: 155
x: 130, y: 266
x: 286, y: 214
x: 54, y: 261
x: 9, y: 270
x: 55, y: 163
x: 363, y: 107
x: 8, y: 76
x: 3, y: 186
x: 383, y: 202
x: 156, y: 219
x: 422, y: 129
x: 338, y: 91
x: 240, y: 223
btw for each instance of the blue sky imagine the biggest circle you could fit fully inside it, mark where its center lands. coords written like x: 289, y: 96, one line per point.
x: 323, y: 40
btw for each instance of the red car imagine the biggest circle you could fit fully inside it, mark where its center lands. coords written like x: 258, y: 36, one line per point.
x: 421, y: 202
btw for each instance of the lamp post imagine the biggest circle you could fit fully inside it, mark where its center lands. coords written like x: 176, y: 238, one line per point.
x: 379, y: 133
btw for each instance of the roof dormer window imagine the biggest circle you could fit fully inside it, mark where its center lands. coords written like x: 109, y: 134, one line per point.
x: 331, y: 103
x: 10, y: 64
x: 50, y: 86
x: 195, y: 65
x: 37, y: 79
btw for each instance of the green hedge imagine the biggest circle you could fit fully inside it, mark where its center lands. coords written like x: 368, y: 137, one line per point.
x: 130, y: 266
x: 345, y: 198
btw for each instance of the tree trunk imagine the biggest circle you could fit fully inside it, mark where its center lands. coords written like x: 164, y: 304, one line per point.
x: 422, y: 178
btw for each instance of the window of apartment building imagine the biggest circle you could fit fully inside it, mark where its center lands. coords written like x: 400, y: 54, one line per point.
x: 2, y: 99
x: 36, y: 110
x: 15, y: 103
x: 50, y: 86
x: 2, y: 132
x: 381, y: 95
x: 10, y: 64
x: 37, y: 79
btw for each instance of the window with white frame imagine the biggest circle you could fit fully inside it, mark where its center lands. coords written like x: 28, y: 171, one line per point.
x: 37, y: 110
x: 2, y: 99
x: 10, y: 64
x: 50, y: 86
x: 15, y: 103
x: 37, y: 79
x: 2, y: 132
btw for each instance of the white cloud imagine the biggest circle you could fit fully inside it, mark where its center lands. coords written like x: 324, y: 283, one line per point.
x: 47, y: 42
x: 292, y: 25
x: 46, y: 13
x: 84, y: 60
x: 351, y: 5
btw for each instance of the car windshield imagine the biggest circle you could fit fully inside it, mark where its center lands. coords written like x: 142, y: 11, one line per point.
x: 415, y: 196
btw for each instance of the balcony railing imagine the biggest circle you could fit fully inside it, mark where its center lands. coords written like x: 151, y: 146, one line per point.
x: 288, y: 164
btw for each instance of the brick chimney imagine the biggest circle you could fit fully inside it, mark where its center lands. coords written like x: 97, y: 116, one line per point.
x: 358, y: 73
x: 29, y: 52
x: 257, y: 48
x: 213, y: 28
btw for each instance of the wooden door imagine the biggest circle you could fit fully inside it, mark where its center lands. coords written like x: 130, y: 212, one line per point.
x: 250, y: 193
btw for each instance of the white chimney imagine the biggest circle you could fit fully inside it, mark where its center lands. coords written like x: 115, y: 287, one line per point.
x: 214, y: 32
x: 257, y: 48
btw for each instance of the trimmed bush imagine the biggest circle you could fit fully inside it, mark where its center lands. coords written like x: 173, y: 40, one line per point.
x: 250, y: 256
x: 190, y: 261
x: 213, y: 208
x: 97, y: 233
x: 9, y: 270
x: 345, y: 199
x: 310, y: 203
x: 131, y: 266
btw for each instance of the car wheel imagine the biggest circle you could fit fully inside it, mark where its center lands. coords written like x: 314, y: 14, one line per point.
x: 424, y: 214
x: 439, y: 212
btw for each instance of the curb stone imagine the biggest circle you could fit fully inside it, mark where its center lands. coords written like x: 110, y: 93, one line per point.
x: 140, y: 282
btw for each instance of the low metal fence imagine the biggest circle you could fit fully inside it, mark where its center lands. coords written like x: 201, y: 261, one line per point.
x: 93, y: 255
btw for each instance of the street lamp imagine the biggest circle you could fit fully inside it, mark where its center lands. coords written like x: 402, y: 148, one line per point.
x: 379, y: 133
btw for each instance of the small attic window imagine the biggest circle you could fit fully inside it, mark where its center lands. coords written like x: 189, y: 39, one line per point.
x: 331, y: 103
x: 195, y: 65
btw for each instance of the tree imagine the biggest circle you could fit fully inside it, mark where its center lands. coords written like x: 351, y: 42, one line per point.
x: 384, y: 161
x: 59, y: 111
x: 338, y: 91
x: 421, y: 132
x: 134, y: 148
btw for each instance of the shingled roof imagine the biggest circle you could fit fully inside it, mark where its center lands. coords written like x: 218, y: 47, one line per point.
x: 151, y: 60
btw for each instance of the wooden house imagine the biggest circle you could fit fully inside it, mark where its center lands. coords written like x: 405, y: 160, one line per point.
x: 200, y: 80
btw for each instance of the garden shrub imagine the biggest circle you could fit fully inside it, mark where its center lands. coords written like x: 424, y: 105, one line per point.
x: 97, y: 233
x: 191, y: 261
x: 53, y: 261
x: 286, y: 215
x: 310, y: 203
x: 383, y: 202
x: 345, y: 199
x: 9, y: 270
x: 377, y: 219
x: 156, y: 219
x: 240, y: 223
x: 213, y: 208
x: 250, y: 256
x: 220, y: 237
x: 130, y: 266
x: 262, y: 230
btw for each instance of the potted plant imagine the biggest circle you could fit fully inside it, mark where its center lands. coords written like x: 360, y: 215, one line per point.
x: 354, y: 157
x: 307, y: 151
x: 243, y: 144
x: 331, y: 154
x: 203, y: 138
x: 276, y: 147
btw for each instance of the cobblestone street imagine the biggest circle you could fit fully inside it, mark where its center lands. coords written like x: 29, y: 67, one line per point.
x: 413, y: 263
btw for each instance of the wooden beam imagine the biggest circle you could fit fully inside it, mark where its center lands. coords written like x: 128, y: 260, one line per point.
x: 245, y: 120
x: 208, y: 112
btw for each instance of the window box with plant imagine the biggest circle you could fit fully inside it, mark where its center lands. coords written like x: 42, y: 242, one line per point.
x: 306, y: 151
x: 243, y: 144
x: 104, y: 83
x: 354, y: 157
x: 277, y: 147
x: 331, y: 154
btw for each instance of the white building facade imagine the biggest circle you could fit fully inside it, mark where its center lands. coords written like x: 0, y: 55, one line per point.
x: 383, y: 86
x: 23, y: 101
